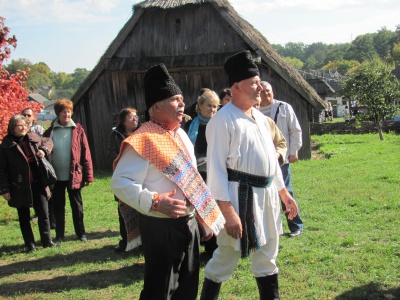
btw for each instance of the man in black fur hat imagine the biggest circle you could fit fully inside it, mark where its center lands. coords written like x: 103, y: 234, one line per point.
x: 156, y: 174
x: 245, y: 178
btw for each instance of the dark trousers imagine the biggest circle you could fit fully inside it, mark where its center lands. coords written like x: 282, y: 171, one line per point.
x: 172, y: 259
x: 122, y: 229
x: 75, y: 200
x: 297, y: 222
x: 41, y: 210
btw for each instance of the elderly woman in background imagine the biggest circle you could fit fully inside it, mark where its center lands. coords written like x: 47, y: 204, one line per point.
x: 128, y: 122
x: 20, y: 183
x: 225, y: 96
x: 73, y: 165
x: 207, y: 107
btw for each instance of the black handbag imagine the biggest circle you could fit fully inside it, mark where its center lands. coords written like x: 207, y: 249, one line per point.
x: 47, y: 174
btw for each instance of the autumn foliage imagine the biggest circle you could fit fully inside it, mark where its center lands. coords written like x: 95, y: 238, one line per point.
x: 13, y: 94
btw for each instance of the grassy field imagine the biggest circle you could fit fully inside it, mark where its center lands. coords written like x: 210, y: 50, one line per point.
x: 350, y: 248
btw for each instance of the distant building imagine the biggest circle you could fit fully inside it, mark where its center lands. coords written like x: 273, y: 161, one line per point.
x: 47, y: 113
x: 327, y: 85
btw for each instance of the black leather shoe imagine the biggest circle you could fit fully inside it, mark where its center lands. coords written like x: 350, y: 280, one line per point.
x: 295, y: 233
x: 119, y: 248
x: 31, y: 248
x: 59, y: 240
x: 51, y: 244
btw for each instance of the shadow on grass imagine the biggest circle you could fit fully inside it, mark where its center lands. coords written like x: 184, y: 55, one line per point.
x: 91, y: 280
x: 371, y: 291
x: 91, y: 235
x: 124, y: 276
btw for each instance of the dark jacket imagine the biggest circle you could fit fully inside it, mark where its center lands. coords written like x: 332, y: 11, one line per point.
x: 14, y: 169
x: 81, y: 168
x: 114, y: 144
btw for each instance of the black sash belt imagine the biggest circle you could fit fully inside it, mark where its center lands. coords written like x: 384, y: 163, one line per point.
x: 247, y: 181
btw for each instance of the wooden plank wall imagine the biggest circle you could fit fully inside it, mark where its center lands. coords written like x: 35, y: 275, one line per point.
x: 172, y: 33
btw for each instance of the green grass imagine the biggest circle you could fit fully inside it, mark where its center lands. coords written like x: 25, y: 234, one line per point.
x: 350, y: 248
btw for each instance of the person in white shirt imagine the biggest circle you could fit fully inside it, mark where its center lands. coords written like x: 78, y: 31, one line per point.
x: 245, y: 178
x: 156, y: 174
x: 285, y: 118
x: 33, y: 126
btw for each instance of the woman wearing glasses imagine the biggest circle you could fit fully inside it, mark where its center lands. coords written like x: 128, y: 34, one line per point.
x: 128, y: 122
x: 20, y: 183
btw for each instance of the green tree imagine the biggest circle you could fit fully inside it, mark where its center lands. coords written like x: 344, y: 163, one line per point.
x: 18, y: 64
x: 383, y: 42
x: 396, y: 54
x: 79, y: 76
x: 361, y: 49
x: 316, y: 60
x: 60, y: 79
x: 397, y: 34
x: 374, y: 86
x: 336, y: 52
x: 295, y: 62
x: 39, y: 76
x: 295, y: 50
x: 342, y: 66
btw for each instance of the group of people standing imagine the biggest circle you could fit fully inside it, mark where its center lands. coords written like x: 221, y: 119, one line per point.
x: 65, y: 145
x: 220, y: 175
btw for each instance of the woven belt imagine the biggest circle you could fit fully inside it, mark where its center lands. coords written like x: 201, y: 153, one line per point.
x: 247, y: 181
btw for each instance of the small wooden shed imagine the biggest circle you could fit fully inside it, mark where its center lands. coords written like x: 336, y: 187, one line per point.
x: 193, y: 38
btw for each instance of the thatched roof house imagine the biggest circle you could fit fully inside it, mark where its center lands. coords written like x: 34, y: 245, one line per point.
x: 193, y: 38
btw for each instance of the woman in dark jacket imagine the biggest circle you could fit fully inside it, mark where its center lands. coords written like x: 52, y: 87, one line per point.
x: 207, y: 106
x: 128, y: 122
x: 73, y: 165
x: 20, y: 184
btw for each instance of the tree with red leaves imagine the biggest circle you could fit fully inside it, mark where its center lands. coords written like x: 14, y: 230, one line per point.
x: 13, y: 94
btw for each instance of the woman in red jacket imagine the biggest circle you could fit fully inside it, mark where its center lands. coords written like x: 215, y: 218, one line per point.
x: 73, y: 165
x: 20, y: 183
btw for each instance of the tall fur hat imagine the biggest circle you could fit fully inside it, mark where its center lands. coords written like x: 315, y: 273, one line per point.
x: 240, y: 66
x: 159, y: 85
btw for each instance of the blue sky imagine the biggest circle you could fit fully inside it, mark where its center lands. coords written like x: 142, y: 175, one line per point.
x: 70, y: 34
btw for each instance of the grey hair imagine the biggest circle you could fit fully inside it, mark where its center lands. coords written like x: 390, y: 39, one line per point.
x: 265, y: 83
x: 13, y: 121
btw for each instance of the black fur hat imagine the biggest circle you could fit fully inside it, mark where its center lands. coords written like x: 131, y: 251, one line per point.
x: 159, y: 85
x: 240, y: 66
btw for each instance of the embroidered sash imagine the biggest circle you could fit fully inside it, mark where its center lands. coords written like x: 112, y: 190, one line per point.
x: 170, y: 156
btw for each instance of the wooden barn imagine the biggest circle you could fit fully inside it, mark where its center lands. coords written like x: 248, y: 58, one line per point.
x: 193, y: 38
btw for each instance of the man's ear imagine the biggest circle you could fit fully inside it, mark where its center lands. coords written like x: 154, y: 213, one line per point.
x: 235, y: 86
x: 156, y: 106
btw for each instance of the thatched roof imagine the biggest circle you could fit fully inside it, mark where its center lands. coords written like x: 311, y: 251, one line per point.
x: 256, y: 41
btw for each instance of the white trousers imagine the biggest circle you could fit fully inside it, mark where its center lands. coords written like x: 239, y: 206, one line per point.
x: 225, y: 259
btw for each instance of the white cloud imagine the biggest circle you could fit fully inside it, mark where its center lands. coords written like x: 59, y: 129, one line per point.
x: 36, y: 12
x: 270, y: 6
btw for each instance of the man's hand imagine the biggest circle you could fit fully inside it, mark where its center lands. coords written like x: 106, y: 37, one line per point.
x: 40, y: 154
x: 173, y: 208
x: 7, y: 196
x: 233, y: 225
x: 204, y: 238
x: 293, y: 158
x: 290, y: 203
